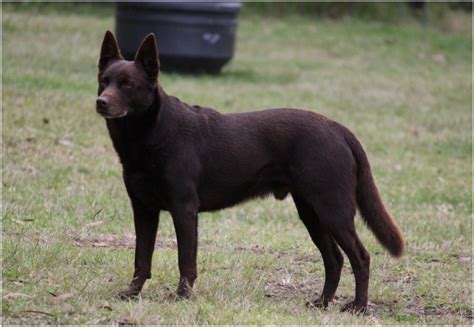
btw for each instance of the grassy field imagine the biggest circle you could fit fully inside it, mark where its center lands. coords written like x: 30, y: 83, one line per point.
x: 67, y: 226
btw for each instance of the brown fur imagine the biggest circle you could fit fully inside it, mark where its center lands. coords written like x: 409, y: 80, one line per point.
x: 370, y: 203
x: 189, y: 159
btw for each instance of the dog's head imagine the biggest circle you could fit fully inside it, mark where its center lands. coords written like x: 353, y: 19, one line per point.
x: 126, y: 87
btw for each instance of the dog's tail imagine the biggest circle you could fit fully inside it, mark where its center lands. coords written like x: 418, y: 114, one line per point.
x: 370, y: 203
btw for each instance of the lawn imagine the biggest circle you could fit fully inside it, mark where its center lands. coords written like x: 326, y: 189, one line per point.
x: 67, y: 227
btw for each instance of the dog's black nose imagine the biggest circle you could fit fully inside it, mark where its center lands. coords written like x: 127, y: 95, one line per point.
x: 102, y: 102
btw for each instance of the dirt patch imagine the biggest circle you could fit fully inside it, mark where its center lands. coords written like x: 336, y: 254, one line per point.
x: 415, y: 310
x: 113, y: 241
x: 437, y: 311
x: 274, y: 289
x: 254, y: 249
x: 287, y: 286
x: 463, y: 258
x: 105, y: 241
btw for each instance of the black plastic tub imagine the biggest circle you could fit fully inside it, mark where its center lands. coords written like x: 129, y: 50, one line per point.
x: 191, y: 36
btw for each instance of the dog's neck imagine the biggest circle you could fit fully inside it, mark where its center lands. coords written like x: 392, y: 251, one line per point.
x: 133, y: 130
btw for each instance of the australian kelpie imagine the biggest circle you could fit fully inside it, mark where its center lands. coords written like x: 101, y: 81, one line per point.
x: 189, y: 159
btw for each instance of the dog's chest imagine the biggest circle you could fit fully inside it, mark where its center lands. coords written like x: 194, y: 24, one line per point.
x: 141, y: 157
x: 147, y: 188
x: 143, y: 173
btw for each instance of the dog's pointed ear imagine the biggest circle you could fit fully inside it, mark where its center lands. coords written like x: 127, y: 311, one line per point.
x: 108, y: 51
x: 147, y: 55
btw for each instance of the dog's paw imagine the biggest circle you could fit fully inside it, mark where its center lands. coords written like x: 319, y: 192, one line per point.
x: 184, y: 290
x: 183, y: 293
x: 179, y: 296
x: 319, y: 303
x: 354, y: 308
x: 129, y: 293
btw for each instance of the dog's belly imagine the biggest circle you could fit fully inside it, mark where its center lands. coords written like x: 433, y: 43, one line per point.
x: 270, y: 179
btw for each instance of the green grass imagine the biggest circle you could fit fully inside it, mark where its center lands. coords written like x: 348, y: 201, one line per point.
x: 67, y: 225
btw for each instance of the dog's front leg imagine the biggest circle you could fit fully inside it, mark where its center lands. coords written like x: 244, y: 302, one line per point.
x: 146, y: 225
x: 185, y: 219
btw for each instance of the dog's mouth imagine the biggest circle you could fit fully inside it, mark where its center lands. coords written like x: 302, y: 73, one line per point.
x: 108, y: 115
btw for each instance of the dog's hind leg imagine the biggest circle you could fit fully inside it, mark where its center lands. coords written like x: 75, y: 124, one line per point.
x: 340, y: 221
x: 332, y: 256
x: 360, y: 263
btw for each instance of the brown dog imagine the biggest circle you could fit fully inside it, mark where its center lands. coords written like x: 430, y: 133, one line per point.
x: 188, y: 159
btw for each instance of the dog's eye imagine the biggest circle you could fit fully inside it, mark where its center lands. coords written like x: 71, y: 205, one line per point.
x: 126, y: 84
x: 103, y: 84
